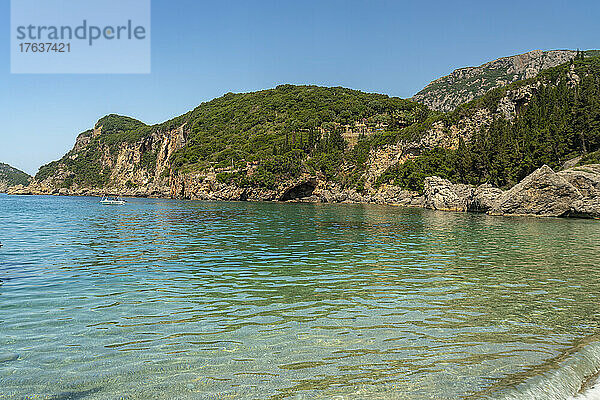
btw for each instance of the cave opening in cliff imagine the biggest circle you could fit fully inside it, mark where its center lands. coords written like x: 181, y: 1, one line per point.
x: 300, y: 191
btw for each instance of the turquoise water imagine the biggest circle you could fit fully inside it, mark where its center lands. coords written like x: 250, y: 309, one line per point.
x: 192, y: 300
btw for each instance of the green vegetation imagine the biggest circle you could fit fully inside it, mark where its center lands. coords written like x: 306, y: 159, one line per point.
x: 449, y: 92
x: 85, y: 167
x: 591, y: 158
x: 262, y: 126
x: 560, y: 122
x: 148, y: 160
x: 282, y: 131
x: 12, y: 176
x: 47, y: 170
x: 259, y: 139
x: 412, y: 173
x: 117, y: 129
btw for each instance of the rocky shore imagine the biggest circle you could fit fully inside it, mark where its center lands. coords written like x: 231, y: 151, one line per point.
x: 574, y: 192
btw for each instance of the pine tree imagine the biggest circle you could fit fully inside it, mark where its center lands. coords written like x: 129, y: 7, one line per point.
x: 464, y: 163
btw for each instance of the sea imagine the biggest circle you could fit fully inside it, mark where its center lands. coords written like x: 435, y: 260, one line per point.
x: 172, y: 299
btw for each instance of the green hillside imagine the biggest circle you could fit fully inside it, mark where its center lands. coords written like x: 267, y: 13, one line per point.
x: 466, y: 84
x: 559, y: 123
x: 285, y: 130
x: 263, y: 138
x: 10, y: 176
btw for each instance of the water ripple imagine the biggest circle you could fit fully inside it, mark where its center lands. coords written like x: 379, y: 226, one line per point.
x: 174, y: 300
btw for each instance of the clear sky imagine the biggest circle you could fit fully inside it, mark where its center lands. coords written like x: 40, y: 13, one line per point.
x: 203, y: 49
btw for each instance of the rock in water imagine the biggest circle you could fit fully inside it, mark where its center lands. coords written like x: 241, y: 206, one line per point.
x: 8, y: 357
x: 484, y: 197
x: 441, y: 194
x: 18, y: 189
x: 585, y: 178
x: 388, y: 194
x: 543, y: 193
x: 586, y: 208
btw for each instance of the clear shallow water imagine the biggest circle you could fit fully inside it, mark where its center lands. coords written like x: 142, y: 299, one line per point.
x: 176, y: 300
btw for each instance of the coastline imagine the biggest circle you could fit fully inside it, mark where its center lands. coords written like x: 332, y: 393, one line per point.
x: 406, y: 204
x: 572, y: 193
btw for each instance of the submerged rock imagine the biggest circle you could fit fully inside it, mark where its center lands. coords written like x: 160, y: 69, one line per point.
x: 543, y: 193
x: 8, y: 357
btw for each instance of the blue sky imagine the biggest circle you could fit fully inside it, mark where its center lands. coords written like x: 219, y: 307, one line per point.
x: 201, y: 50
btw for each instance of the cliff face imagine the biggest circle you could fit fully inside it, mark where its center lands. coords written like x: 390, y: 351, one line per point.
x: 447, y: 131
x: 143, y: 167
x: 138, y: 168
x: 466, y: 84
x: 268, y: 145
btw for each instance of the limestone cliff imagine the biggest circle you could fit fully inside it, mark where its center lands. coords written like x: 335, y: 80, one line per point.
x: 446, y: 131
x: 135, y: 168
x: 466, y: 84
x: 280, y: 143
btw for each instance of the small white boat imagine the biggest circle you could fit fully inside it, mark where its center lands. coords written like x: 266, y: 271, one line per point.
x: 115, y: 200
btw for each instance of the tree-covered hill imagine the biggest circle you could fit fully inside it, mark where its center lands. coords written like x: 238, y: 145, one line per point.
x: 289, y: 119
x: 560, y: 122
x: 10, y: 176
x: 265, y: 140
x: 466, y: 84
x: 276, y: 129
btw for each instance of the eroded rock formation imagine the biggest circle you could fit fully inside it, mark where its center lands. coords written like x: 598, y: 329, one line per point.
x: 543, y: 193
x: 571, y: 193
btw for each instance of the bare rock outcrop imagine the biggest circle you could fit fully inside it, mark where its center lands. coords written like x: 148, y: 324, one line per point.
x: 389, y: 194
x: 441, y: 194
x: 465, y: 84
x: 543, y: 193
x: 329, y: 192
x: 571, y: 193
x: 484, y: 198
x: 18, y: 190
x: 585, y: 178
x: 586, y: 208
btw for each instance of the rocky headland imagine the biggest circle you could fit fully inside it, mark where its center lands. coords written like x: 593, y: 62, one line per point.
x: 11, y: 176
